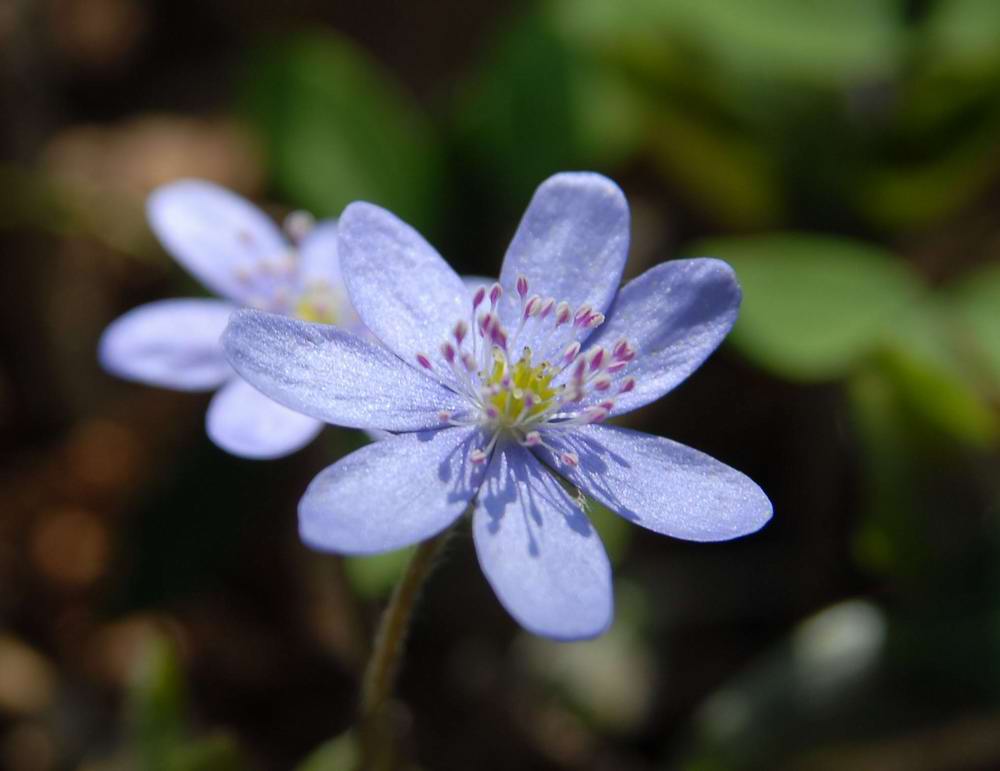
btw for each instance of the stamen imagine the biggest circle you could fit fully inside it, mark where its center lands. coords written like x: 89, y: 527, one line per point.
x: 522, y: 286
x: 563, y: 313
x: 423, y: 361
x: 478, y: 297
x: 570, y: 458
x: 461, y: 330
x: 496, y: 292
x: 477, y: 456
x: 448, y: 351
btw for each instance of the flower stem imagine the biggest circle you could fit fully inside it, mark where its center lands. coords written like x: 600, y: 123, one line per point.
x: 377, y: 734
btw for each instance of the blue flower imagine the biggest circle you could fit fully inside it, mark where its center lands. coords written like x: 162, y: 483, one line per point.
x: 497, y: 392
x: 235, y: 250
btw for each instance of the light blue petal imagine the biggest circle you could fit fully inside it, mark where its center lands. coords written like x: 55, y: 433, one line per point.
x: 318, y: 257
x: 242, y: 421
x: 332, y: 375
x: 539, y: 552
x: 662, y: 485
x: 571, y: 245
x: 169, y: 343
x: 402, y: 289
x: 392, y: 493
x: 215, y: 234
x: 675, y: 315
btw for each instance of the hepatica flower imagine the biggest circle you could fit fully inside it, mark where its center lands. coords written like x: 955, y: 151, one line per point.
x: 498, y: 398
x: 236, y: 251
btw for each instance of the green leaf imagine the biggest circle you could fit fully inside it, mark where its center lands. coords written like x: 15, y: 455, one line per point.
x: 827, y: 42
x: 813, y: 306
x: 976, y: 301
x: 216, y: 753
x: 338, y: 754
x: 337, y: 128
x: 373, y: 576
x: 158, y: 702
x: 935, y: 378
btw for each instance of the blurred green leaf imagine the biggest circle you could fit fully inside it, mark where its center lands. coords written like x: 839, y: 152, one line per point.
x: 822, y: 41
x: 375, y: 575
x: 158, y: 702
x: 338, y: 129
x: 976, y: 301
x: 338, y: 754
x: 538, y: 105
x: 966, y: 31
x: 216, y: 753
x: 615, y: 532
x: 728, y: 175
x: 924, y: 361
x: 813, y: 306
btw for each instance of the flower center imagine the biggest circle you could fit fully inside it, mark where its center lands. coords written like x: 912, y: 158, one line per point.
x: 520, y: 393
x: 318, y: 303
x: 512, y: 395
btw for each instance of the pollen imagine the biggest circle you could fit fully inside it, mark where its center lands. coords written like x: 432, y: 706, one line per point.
x: 520, y: 392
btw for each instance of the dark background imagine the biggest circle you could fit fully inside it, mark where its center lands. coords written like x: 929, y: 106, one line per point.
x: 157, y: 609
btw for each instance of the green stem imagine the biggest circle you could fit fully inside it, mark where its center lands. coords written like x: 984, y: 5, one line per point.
x: 377, y: 734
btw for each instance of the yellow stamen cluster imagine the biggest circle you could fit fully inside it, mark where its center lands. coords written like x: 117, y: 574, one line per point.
x: 317, y: 304
x: 521, y: 392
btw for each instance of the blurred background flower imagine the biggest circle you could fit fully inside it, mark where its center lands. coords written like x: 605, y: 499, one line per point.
x: 157, y: 607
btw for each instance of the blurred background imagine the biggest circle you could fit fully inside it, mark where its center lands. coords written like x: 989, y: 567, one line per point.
x: 157, y: 610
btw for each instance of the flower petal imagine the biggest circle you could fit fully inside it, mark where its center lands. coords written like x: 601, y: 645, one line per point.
x: 539, y: 552
x: 242, y: 421
x: 675, y: 315
x: 662, y: 485
x: 214, y: 233
x: 392, y: 493
x: 169, y: 343
x: 332, y: 375
x: 571, y: 245
x: 318, y: 258
x: 402, y: 289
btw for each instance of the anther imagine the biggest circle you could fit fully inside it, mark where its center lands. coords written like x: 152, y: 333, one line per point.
x: 477, y: 456
x: 628, y: 384
x: 595, y: 320
x: 582, y: 314
x: 448, y: 351
x: 596, y: 359
x: 444, y: 416
x: 570, y: 458
x: 496, y: 292
x: 571, y: 351
x: 298, y: 224
x: 546, y: 308
x: 478, y: 297
x: 461, y: 330
x: 532, y: 307
x: 423, y: 361
x: 522, y: 286
x: 602, y: 383
x: 532, y: 439
x: 563, y: 313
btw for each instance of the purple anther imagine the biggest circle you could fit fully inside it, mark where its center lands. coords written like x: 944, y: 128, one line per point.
x: 522, y: 286
x: 532, y: 439
x: 444, y: 416
x: 468, y: 361
x: 595, y: 320
x: 478, y: 297
x: 628, y: 384
x: 563, y: 313
x: 602, y: 383
x: 547, y: 307
x: 597, y: 357
x: 461, y: 330
x: 532, y: 306
x: 582, y: 314
x: 496, y: 292
x: 477, y: 456
x: 448, y: 351
x: 571, y: 351
x: 423, y: 361
x: 570, y: 458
